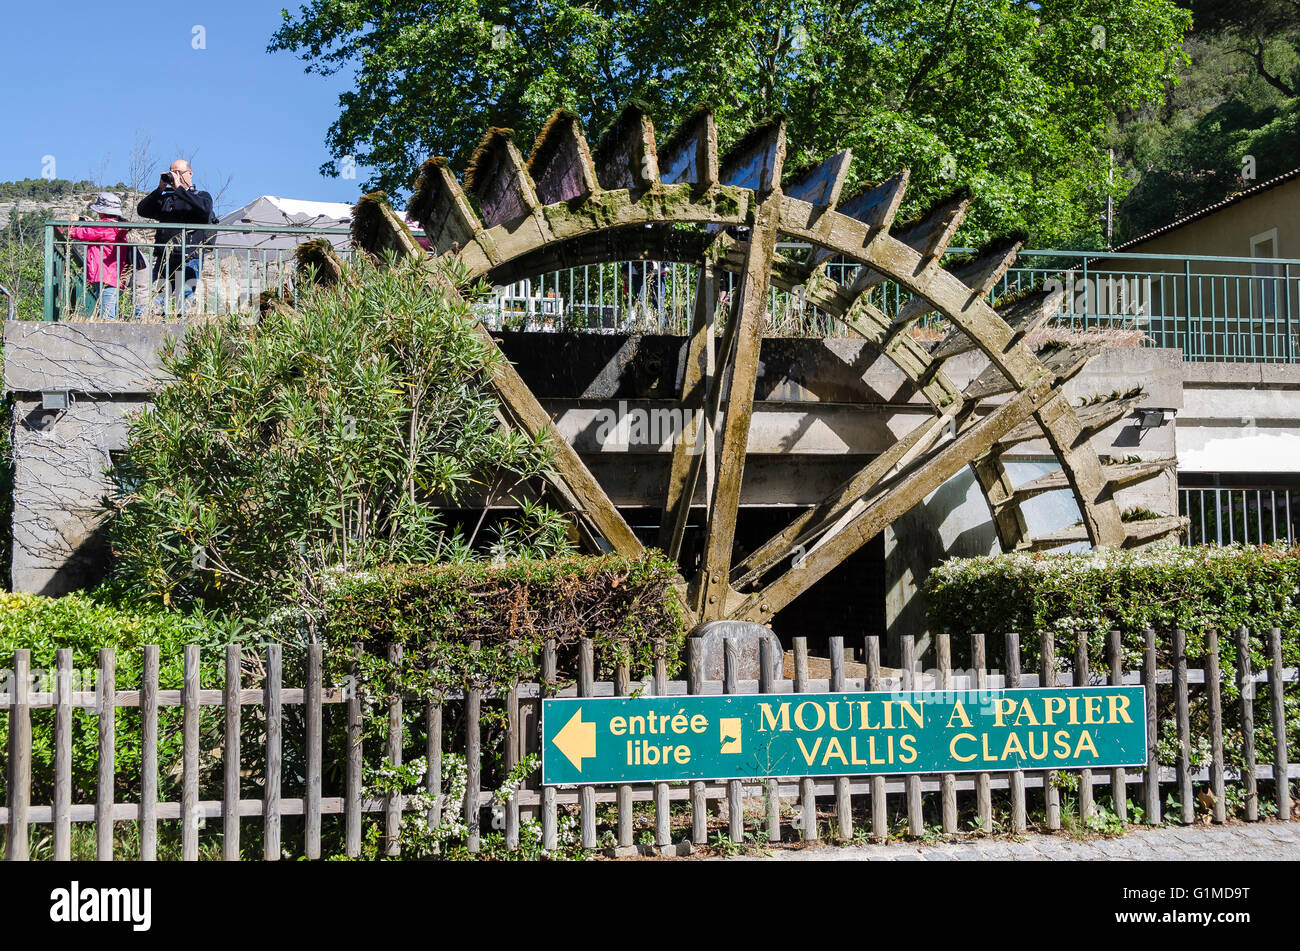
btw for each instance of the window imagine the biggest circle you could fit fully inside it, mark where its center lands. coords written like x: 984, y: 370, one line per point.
x: 1265, y: 290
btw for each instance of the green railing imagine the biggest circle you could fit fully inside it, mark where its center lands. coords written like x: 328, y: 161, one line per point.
x: 1234, y: 309
x: 207, y: 270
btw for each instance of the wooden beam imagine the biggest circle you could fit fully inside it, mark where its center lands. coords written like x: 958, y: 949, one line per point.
x: 560, y: 163
x: 691, y: 153
x: 888, y: 505
x: 995, y: 483
x: 627, y: 157
x: 756, y: 161
x: 500, y: 182
x: 1065, y: 435
x: 697, y: 384
x: 442, y: 209
x: 809, y: 524
x: 748, y: 311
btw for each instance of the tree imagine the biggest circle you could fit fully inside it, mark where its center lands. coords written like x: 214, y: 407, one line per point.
x: 1009, y: 97
x: 22, y: 263
x: 1266, y: 32
x: 328, y: 435
x: 1231, y: 122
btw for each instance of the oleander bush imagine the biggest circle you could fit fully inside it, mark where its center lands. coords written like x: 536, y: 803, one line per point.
x: 334, y: 433
x: 1163, y: 587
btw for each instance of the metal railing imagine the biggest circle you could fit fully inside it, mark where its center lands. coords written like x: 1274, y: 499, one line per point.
x: 1250, y: 515
x: 120, y: 271
x: 1211, y: 308
x: 1233, y: 309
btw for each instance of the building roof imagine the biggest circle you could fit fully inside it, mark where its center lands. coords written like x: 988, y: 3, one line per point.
x: 1211, y: 209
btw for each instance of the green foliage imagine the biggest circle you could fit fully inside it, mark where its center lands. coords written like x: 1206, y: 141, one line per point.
x: 22, y: 264
x: 1236, y: 98
x: 49, y: 189
x: 511, y: 608
x: 330, y: 434
x: 84, y: 623
x: 1009, y: 98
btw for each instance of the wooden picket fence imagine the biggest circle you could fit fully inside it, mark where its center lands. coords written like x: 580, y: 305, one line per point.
x: 523, y: 736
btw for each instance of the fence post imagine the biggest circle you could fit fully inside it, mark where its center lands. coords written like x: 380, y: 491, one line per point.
x: 393, y: 753
x: 311, y: 826
x: 1276, y: 686
x: 473, y: 759
x: 1153, y: 767
x: 550, y: 822
x: 983, y: 786
x: 107, y: 702
x: 230, y: 758
x: 274, y: 753
x: 1081, y: 677
x: 772, y: 789
x: 512, y: 760
x: 808, y: 798
x: 663, y: 812
x: 586, y: 688
x: 623, y: 687
x: 352, y: 779
x: 730, y: 685
x: 1047, y: 681
x: 48, y: 302
x: 843, y: 800
x: 1118, y: 777
x: 149, y: 755
x: 948, y: 781
x: 1246, y: 680
x: 63, y: 756
x: 1183, y: 717
x: 190, y: 757
x: 695, y: 685
x: 879, y: 811
x: 1216, y: 722
x: 433, y: 756
x: 1017, y: 778
x: 915, y: 818
x: 20, y: 760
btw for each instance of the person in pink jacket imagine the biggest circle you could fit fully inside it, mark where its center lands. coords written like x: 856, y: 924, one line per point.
x: 105, y: 248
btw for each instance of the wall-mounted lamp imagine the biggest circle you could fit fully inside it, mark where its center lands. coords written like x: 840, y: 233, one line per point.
x: 54, y: 400
x: 1151, y: 418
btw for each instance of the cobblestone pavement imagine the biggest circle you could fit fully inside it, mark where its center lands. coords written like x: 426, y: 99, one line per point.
x: 1243, y: 842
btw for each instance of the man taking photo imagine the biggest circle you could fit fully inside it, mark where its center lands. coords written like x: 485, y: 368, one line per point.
x: 176, y: 201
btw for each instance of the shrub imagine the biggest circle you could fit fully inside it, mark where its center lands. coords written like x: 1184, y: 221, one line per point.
x: 511, y: 608
x: 84, y: 623
x: 1163, y: 587
x: 328, y: 434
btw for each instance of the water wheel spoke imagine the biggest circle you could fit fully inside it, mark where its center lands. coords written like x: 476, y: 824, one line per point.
x: 935, y: 468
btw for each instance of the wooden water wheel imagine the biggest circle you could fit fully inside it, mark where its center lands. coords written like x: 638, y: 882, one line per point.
x: 633, y: 198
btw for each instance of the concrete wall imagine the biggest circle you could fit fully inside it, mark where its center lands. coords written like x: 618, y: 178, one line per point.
x: 61, y: 457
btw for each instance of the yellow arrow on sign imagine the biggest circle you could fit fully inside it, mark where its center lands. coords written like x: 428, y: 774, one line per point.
x: 577, y: 740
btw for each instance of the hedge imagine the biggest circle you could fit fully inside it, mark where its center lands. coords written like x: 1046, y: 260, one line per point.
x: 1163, y: 587
x: 510, y: 608
x: 84, y: 623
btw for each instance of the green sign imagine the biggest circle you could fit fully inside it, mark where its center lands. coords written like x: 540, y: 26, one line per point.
x: 748, y: 736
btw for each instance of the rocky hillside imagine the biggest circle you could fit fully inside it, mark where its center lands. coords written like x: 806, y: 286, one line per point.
x: 64, y: 206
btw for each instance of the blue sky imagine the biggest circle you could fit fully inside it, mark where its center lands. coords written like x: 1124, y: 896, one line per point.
x: 84, y: 79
